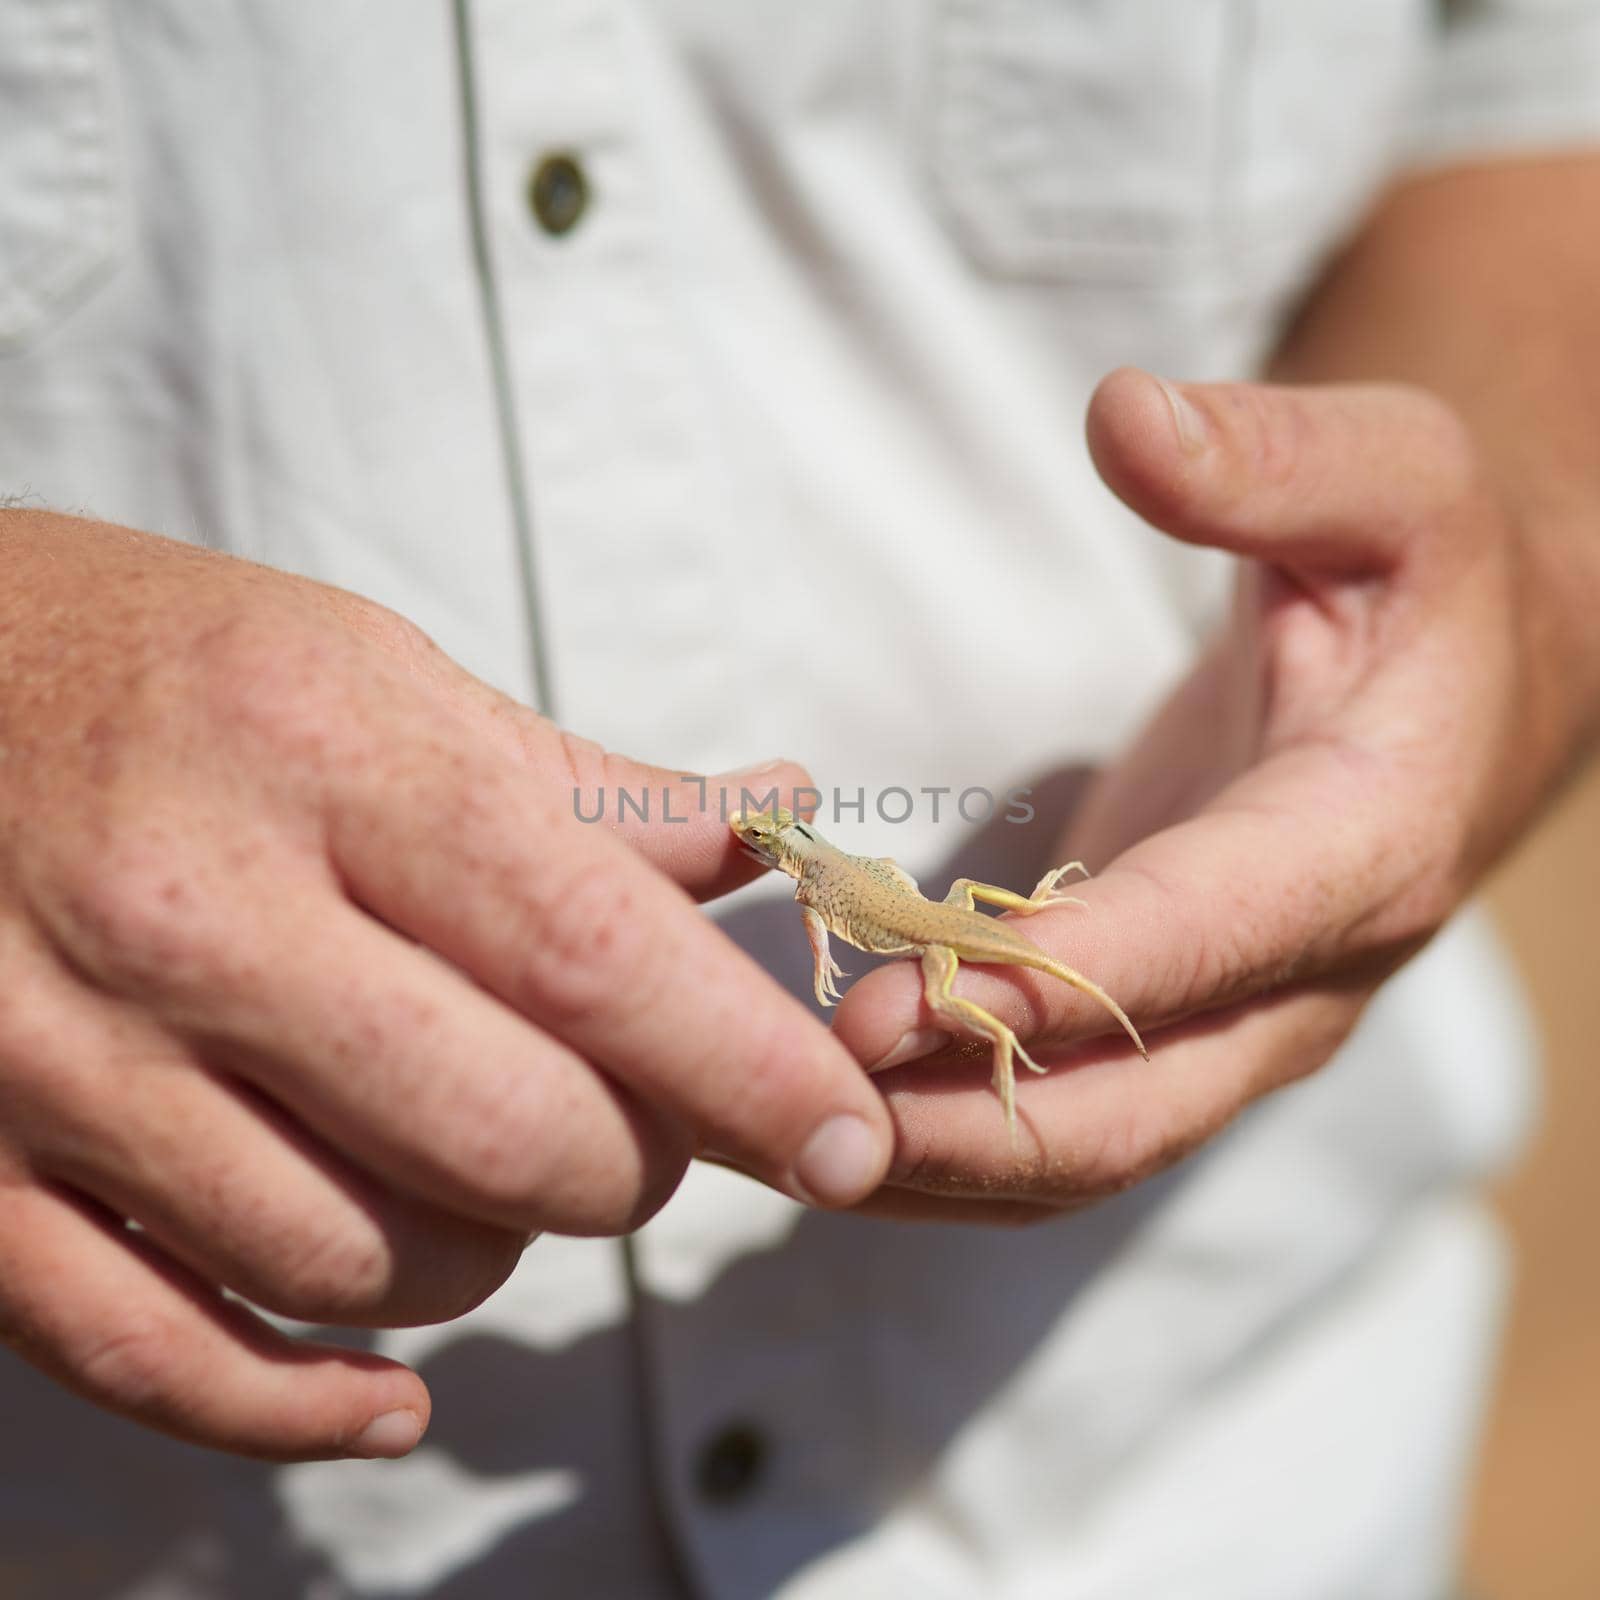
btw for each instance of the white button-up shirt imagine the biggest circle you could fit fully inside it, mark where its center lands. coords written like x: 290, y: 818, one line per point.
x: 847, y: 272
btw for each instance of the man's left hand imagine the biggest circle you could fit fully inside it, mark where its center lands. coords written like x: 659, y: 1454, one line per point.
x: 1365, y: 735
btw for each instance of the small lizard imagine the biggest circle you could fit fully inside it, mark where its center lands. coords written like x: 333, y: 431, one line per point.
x: 874, y: 904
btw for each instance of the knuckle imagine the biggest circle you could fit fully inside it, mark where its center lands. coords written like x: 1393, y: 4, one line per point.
x: 1270, y: 432
x: 504, y: 1168
x: 585, y: 761
x: 631, y: 1175
x: 272, y: 677
x: 290, y: 685
x: 132, y: 1363
x: 516, y: 1172
x: 774, y: 1098
x: 1278, y: 431
x: 394, y: 634
x: 592, y: 951
x: 609, y: 1170
x: 137, y: 914
x: 253, y: 646
x: 491, y: 1144
x: 30, y: 1034
x: 1126, y: 1150
x: 1413, y: 915
x: 330, y: 1274
x: 592, y: 774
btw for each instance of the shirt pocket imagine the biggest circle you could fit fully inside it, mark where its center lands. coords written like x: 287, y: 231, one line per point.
x: 58, y: 191
x: 1136, y: 142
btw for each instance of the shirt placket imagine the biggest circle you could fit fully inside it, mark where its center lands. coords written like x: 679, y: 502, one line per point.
x: 603, y: 400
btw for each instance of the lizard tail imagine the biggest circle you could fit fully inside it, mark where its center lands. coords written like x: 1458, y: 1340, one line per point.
x: 1088, y: 986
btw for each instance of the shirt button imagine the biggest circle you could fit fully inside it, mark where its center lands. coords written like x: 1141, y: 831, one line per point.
x: 558, y: 193
x: 730, y: 1463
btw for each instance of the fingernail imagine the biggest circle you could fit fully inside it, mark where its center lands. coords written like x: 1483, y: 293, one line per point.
x: 1186, y: 419
x: 395, y: 1433
x: 841, y: 1162
x: 918, y: 1042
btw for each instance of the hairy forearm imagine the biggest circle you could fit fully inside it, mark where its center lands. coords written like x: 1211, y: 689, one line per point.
x: 1479, y: 284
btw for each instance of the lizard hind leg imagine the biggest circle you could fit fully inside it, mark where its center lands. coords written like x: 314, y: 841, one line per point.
x: 964, y: 891
x: 939, y: 967
x: 1045, y: 892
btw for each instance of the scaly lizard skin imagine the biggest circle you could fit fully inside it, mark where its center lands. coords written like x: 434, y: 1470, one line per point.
x: 874, y: 904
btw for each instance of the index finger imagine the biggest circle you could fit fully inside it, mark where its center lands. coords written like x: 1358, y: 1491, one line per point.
x: 488, y: 867
x: 678, y: 821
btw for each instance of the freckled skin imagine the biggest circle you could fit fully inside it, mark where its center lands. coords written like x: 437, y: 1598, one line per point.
x: 874, y: 904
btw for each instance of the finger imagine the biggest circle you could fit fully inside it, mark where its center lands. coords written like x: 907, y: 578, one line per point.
x: 1200, y: 915
x: 896, y: 1204
x: 388, y: 1054
x: 678, y: 821
x: 1284, y: 474
x: 569, y: 927
x: 104, y: 1101
x: 1096, y: 1122
x: 104, y: 1312
x: 446, y: 1093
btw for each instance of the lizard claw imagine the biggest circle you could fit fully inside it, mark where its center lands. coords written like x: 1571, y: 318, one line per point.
x: 1054, y: 899
x: 827, y: 990
x: 1045, y: 892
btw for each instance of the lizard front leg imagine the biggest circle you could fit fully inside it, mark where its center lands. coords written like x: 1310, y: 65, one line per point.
x: 965, y: 890
x: 939, y: 967
x: 824, y: 968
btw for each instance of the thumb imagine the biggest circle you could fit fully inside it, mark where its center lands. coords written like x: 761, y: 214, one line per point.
x: 1342, y: 480
x: 678, y: 820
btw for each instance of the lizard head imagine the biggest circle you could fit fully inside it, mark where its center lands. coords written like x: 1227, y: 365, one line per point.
x: 774, y: 837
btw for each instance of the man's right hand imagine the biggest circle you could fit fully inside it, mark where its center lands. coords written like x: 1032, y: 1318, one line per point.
x: 309, y: 969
